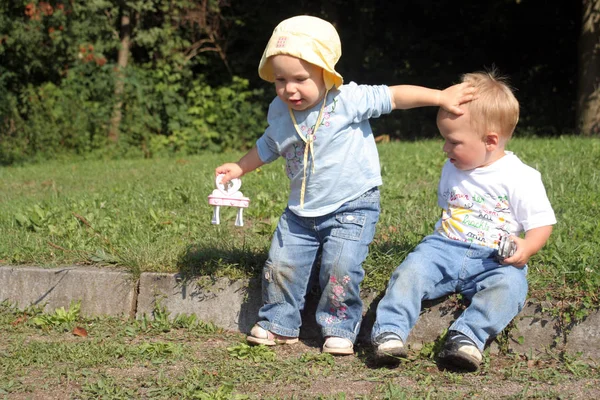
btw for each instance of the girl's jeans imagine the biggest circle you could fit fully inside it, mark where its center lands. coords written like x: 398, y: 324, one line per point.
x: 341, y: 240
x: 440, y: 266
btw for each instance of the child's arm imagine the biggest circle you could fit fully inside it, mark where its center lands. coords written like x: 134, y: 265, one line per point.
x: 534, y: 240
x: 407, y: 96
x: 247, y: 163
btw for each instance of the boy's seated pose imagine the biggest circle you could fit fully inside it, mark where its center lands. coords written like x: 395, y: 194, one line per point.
x: 485, y: 193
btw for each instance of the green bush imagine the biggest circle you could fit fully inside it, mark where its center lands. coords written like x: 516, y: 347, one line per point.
x: 70, y: 118
x: 74, y: 117
x: 215, y: 119
x: 167, y: 112
x: 58, y: 74
x: 12, y: 142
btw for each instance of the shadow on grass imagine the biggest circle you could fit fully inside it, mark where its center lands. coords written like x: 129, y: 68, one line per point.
x: 220, y: 261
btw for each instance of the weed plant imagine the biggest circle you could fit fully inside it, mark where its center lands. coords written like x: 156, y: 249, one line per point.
x: 153, y: 215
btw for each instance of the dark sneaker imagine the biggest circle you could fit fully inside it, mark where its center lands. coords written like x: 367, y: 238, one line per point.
x: 461, y: 352
x: 389, y: 347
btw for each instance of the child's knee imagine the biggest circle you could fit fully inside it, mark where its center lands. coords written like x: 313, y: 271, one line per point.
x: 508, y: 290
x: 408, y: 271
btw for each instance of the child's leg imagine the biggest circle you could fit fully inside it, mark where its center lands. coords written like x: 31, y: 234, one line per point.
x: 430, y: 271
x: 286, y: 274
x: 497, y: 295
x: 346, y: 236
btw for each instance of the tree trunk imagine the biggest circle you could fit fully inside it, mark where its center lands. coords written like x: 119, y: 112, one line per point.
x: 588, y: 91
x: 123, y: 58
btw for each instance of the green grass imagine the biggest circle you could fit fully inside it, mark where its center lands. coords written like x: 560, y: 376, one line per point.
x: 153, y: 215
x: 182, y: 358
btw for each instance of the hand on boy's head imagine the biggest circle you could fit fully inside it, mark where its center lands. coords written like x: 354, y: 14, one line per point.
x: 451, y: 98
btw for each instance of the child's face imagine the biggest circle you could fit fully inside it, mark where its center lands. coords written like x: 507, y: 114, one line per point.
x: 465, y: 148
x: 298, y: 83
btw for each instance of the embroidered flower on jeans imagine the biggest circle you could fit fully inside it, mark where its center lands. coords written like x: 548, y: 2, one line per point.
x: 341, y: 313
x: 338, y: 290
x: 338, y: 308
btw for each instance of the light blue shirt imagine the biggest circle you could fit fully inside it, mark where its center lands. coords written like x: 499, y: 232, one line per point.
x: 346, y: 162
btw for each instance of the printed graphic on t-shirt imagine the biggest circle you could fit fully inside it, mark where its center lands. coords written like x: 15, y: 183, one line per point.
x: 476, y: 218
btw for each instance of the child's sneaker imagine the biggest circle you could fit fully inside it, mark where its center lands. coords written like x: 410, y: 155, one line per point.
x: 460, y: 351
x: 259, y: 335
x: 338, y: 346
x: 389, y: 347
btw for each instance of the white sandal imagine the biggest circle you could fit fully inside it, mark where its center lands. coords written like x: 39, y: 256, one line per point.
x: 259, y: 335
x: 338, y: 346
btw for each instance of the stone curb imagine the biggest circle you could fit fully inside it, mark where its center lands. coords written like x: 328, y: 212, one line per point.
x: 233, y: 305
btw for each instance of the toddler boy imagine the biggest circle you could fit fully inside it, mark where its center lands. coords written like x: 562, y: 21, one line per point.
x: 485, y: 193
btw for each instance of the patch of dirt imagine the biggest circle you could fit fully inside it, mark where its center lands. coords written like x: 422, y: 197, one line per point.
x: 301, y: 371
x: 418, y: 378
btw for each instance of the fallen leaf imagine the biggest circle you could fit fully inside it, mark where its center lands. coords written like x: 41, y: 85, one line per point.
x: 78, y: 331
x: 17, y: 321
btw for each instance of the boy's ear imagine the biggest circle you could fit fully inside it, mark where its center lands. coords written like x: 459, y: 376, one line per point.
x: 492, y: 140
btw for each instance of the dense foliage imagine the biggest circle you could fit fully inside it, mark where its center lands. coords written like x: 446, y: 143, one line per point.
x: 189, y: 80
x: 59, y: 72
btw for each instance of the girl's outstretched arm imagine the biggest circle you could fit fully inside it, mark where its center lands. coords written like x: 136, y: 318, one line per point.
x: 408, y: 96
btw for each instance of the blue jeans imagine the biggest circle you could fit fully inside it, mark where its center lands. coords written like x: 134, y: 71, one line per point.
x: 439, y: 266
x: 340, y: 241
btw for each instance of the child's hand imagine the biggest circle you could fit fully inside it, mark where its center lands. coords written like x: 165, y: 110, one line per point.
x: 534, y: 240
x: 249, y: 162
x: 521, y: 255
x: 230, y: 171
x: 451, y: 98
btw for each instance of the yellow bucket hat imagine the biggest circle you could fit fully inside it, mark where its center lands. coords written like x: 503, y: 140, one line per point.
x: 309, y: 38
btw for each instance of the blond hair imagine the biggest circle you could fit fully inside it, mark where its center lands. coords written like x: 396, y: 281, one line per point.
x: 496, y: 108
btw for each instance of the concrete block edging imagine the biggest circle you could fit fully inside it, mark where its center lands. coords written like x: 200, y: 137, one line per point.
x: 234, y: 305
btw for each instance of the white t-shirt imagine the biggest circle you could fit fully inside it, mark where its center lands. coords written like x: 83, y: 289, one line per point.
x: 484, y: 204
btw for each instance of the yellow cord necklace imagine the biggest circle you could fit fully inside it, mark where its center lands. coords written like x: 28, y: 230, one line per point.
x: 308, y: 140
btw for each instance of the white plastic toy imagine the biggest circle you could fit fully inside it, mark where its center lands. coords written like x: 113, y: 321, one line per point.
x: 228, y: 195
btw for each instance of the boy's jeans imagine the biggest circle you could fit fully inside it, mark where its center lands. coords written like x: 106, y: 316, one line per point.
x: 341, y: 240
x: 439, y: 266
